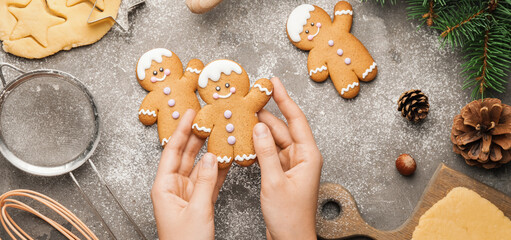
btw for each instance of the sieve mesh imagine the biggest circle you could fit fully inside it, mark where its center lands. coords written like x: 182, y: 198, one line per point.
x: 46, y: 120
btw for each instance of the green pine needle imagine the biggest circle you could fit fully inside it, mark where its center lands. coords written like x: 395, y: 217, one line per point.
x: 425, y: 10
x: 462, y: 21
x: 487, y: 61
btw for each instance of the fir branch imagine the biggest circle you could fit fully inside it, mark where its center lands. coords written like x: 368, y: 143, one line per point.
x: 484, y: 68
x: 431, y: 14
x: 424, y: 10
x: 488, y: 58
x: 462, y: 21
x: 450, y: 29
x: 487, y: 61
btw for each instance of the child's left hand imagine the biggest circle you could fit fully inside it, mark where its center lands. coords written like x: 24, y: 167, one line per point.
x: 183, y: 198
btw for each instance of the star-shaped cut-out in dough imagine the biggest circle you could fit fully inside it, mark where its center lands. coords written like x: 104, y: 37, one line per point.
x: 34, y: 20
x: 100, y: 4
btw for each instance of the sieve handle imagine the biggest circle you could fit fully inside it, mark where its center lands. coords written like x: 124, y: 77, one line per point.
x: 2, y: 65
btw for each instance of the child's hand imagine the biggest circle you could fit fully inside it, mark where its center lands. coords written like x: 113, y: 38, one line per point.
x: 290, y: 165
x: 183, y: 198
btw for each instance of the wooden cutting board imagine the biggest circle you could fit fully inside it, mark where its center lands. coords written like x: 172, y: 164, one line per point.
x: 349, y: 223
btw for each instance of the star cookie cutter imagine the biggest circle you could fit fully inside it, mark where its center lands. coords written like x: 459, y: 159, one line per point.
x: 122, y: 15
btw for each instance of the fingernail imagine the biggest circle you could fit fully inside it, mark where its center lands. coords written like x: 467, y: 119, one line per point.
x: 208, y: 161
x: 260, y: 130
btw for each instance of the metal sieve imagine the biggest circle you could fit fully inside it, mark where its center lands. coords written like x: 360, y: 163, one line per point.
x: 49, y: 126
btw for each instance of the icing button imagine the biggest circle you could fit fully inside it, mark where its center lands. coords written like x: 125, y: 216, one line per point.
x: 175, y: 115
x: 172, y: 102
x: 340, y: 52
x: 229, y: 127
x: 227, y: 114
x: 330, y: 43
x: 231, y: 140
x: 347, y: 61
x: 166, y: 91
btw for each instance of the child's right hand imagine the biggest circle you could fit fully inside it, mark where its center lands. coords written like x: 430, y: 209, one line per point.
x: 290, y: 164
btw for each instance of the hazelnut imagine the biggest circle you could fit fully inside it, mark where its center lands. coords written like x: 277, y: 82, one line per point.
x: 405, y: 164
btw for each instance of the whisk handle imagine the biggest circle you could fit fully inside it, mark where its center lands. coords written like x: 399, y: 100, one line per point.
x: 95, y: 210
x: 135, y: 225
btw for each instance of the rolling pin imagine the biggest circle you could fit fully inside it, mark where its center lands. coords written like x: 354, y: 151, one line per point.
x: 201, y: 6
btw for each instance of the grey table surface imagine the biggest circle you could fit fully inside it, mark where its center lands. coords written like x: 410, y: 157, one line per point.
x: 359, y: 139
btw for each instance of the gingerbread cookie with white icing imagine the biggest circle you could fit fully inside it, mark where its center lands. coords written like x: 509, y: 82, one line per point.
x: 231, y: 111
x: 334, y: 51
x: 171, y: 91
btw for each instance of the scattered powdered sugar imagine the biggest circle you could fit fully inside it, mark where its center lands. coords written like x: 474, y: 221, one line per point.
x: 359, y: 139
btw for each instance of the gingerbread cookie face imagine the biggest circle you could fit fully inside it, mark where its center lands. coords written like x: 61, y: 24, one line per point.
x: 39, y: 28
x: 157, y: 66
x: 231, y: 111
x: 334, y: 51
x: 306, y: 23
x: 229, y: 81
x: 171, y: 92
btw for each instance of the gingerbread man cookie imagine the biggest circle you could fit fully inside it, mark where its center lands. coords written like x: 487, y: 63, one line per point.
x: 171, y: 92
x: 231, y: 111
x: 334, y: 51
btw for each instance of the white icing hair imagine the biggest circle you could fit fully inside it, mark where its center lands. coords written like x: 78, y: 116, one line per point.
x: 145, y: 61
x: 297, y: 19
x: 214, y: 69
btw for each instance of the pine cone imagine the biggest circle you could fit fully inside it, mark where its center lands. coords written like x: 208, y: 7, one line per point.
x: 482, y: 133
x: 414, y: 105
